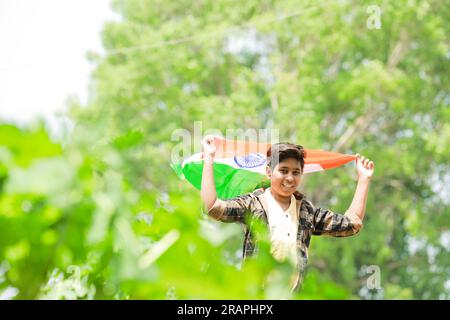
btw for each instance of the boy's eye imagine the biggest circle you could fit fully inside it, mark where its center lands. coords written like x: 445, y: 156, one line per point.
x: 296, y: 173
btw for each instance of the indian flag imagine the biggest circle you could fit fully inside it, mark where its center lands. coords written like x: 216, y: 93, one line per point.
x: 240, y: 166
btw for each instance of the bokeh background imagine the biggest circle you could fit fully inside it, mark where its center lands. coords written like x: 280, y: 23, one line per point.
x: 96, y: 212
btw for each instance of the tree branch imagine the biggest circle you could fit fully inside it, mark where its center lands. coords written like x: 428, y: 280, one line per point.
x: 399, y: 51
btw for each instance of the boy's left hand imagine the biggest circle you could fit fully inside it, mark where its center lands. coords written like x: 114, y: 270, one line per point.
x: 364, y: 166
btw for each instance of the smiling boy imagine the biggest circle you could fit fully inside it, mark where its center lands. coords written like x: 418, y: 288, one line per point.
x: 291, y: 218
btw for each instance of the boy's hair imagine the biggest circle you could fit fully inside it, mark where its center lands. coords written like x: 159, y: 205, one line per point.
x: 279, y: 152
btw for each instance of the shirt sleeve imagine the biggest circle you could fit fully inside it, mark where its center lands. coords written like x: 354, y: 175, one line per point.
x: 326, y: 222
x: 231, y: 210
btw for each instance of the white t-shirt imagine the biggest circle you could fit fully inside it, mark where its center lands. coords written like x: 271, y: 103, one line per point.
x: 283, y: 227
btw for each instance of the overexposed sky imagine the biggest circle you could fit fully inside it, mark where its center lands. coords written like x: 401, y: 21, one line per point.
x: 43, y: 45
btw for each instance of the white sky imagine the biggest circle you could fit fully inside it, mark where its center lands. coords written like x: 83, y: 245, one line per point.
x: 43, y: 45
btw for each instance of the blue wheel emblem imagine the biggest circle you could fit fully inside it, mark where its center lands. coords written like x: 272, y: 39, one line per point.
x: 250, y: 161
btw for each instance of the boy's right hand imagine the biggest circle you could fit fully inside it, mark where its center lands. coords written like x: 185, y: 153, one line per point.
x: 209, y: 147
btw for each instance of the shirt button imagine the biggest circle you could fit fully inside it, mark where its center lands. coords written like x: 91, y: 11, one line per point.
x: 286, y: 216
x: 288, y: 234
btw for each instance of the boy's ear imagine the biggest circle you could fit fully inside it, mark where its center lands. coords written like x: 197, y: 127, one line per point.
x: 268, y: 172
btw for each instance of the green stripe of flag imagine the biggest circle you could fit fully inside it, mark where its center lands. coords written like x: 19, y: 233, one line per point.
x: 230, y: 182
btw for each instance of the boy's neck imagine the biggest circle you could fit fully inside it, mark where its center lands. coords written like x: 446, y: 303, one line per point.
x: 280, y: 199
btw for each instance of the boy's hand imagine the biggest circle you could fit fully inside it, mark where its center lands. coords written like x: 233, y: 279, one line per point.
x: 209, y: 148
x: 364, y: 166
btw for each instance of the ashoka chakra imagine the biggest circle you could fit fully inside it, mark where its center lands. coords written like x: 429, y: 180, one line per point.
x: 250, y: 161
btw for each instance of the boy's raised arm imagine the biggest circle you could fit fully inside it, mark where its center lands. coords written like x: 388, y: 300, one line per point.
x: 208, y: 192
x: 365, y: 169
x: 328, y: 223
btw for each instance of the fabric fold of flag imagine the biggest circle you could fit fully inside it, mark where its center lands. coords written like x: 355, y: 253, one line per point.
x: 240, y: 166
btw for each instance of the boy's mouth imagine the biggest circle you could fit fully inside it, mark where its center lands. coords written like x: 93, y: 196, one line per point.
x: 288, y: 186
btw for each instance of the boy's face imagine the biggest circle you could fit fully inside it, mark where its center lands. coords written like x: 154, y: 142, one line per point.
x: 285, y: 177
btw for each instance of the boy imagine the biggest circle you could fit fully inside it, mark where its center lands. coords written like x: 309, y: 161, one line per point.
x: 291, y: 219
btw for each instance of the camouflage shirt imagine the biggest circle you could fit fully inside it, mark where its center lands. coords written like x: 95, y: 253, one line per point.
x: 247, y: 208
